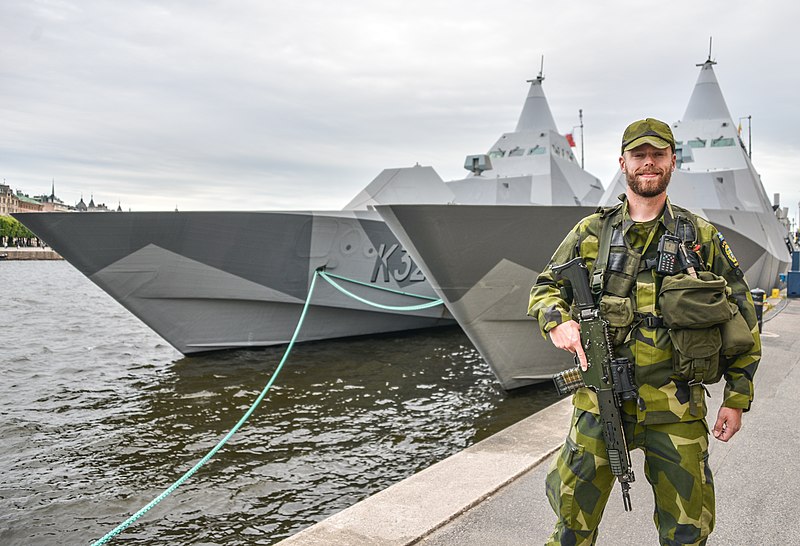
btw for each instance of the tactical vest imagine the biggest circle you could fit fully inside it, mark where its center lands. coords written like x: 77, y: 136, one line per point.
x: 617, y: 265
x: 705, y: 329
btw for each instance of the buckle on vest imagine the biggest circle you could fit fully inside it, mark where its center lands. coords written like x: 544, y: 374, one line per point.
x: 597, y: 284
x: 650, y: 320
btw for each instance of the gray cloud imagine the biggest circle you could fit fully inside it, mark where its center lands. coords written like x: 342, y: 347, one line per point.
x: 284, y: 105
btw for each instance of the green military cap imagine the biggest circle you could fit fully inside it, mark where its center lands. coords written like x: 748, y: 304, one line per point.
x: 647, y: 131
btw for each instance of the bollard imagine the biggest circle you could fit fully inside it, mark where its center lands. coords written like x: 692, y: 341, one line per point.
x: 758, y: 301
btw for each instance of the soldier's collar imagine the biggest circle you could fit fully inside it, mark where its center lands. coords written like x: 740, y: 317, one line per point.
x: 667, y: 218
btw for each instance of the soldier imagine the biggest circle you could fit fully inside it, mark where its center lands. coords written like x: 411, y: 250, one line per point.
x: 667, y: 421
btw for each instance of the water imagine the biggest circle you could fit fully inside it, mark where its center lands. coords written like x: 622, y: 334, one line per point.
x: 98, y: 415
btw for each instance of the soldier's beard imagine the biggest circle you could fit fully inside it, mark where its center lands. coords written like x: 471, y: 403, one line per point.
x: 648, y: 188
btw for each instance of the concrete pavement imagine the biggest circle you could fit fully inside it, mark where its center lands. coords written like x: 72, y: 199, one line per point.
x: 493, y: 492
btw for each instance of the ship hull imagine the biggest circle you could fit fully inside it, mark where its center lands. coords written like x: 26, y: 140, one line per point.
x: 221, y: 280
x: 483, y: 261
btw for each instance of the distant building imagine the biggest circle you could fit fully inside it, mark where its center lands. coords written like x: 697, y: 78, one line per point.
x: 11, y: 202
x: 25, y: 203
x: 101, y: 207
x: 51, y: 203
x: 7, y: 200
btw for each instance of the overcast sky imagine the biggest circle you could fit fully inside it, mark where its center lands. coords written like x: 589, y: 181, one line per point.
x: 274, y: 104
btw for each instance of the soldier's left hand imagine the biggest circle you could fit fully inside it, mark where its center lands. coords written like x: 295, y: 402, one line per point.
x: 729, y: 421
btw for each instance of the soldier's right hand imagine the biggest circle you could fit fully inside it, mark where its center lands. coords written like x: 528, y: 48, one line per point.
x: 567, y: 336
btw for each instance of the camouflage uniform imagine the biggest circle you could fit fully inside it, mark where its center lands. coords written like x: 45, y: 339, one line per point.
x: 674, y: 439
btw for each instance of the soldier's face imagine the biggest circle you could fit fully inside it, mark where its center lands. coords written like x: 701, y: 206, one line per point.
x: 648, y: 169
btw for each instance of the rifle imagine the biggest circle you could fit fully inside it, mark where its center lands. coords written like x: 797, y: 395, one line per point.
x: 610, y: 378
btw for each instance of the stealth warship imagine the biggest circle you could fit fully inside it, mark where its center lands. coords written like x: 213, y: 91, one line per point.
x: 221, y: 280
x: 483, y: 260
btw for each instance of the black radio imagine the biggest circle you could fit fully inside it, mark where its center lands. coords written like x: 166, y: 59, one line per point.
x: 670, y: 258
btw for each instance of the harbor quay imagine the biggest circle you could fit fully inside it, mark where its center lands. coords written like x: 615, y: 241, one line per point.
x: 493, y: 492
x: 29, y: 253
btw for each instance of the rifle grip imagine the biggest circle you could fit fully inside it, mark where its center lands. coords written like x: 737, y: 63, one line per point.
x: 577, y: 274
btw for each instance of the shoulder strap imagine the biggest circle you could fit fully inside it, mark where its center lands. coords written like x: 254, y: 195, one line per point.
x: 685, y: 224
x: 603, y: 248
x: 685, y: 228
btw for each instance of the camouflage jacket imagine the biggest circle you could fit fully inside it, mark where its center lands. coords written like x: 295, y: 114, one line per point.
x: 664, y: 398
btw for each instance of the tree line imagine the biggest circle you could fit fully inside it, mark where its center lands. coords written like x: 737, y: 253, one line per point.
x: 12, y: 230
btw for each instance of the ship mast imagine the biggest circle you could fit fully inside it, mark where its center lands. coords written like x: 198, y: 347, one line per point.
x: 540, y: 77
x: 709, y: 60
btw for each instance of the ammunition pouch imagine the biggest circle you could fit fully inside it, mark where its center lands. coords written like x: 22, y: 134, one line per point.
x: 695, y: 303
x: 702, y: 327
x: 695, y: 354
x: 692, y: 309
x: 737, y: 339
x: 621, y: 272
x: 618, y: 312
x: 736, y: 335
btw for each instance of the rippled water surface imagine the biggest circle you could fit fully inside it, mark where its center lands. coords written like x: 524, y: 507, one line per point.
x: 98, y: 415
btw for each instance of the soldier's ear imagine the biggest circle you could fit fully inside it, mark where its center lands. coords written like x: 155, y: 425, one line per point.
x: 622, y: 163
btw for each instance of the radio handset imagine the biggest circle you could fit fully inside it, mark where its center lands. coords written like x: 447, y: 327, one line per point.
x: 672, y: 257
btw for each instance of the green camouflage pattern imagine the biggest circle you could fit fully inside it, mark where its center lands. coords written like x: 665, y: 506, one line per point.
x: 664, y: 397
x: 676, y: 465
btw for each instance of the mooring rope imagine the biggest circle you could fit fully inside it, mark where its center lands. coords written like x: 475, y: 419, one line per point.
x: 432, y: 303
x: 327, y: 276
x: 121, y: 527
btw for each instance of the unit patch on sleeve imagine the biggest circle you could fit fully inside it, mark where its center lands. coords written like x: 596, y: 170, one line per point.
x: 728, y: 252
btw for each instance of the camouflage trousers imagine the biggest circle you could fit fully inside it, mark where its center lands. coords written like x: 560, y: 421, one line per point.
x: 676, y: 465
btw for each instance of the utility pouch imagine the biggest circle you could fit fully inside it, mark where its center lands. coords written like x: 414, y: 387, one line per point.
x: 618, y: 312
x: 623, y: 267
x: 695, y: 355
x: 694, y: 303
x: 736, y: 335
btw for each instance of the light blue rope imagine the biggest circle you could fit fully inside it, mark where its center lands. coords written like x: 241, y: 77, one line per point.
x: 376, y: 287
x: 124, y: 525
x: 346, y: 292
x: 121, y: 527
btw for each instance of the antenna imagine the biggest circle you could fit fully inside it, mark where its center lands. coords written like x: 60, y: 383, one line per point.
x: 540, y: 77
x: 709, y: 61
x: 580, y: 116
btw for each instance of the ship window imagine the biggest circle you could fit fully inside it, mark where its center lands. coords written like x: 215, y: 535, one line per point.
x: 721, y: 142
x: 538, y: 150
x: 497, y: 153
x: 516, y: 152
x: 683, y: 155
x: 697, y: 143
